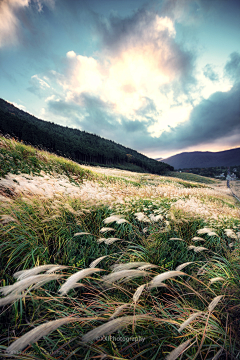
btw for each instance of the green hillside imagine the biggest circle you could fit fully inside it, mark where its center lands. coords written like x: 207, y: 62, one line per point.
x: 77, y: 145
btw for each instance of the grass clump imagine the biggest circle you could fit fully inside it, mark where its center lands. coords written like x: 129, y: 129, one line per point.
x: 18, y: 158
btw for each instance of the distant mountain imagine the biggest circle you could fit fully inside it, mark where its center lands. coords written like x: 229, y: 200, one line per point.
x: 159, y: 159
x: 204, y: 159
x: 80, y: 146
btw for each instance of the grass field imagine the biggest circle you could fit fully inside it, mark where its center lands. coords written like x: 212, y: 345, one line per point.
x: 101, y: 263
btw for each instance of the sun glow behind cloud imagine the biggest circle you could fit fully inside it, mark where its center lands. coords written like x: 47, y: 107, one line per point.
x: 125, y: 80
x: 152, y: 77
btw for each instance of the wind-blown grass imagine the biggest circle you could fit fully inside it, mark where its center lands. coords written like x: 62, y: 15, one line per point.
x: 140, y: 304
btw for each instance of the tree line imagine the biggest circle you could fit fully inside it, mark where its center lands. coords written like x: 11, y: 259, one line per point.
x: 75, y: 144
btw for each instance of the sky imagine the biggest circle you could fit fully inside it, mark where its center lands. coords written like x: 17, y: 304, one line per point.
x: 161, y: 77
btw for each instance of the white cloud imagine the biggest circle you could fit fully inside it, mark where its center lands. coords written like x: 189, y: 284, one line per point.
x: 148, y: 59
x: 19, y: 106
x: 9, y: 22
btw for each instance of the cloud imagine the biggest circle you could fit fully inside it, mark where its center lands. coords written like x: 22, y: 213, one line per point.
x: 137, y: 90
x: 232, y: 68
x: 38, y: 86
x: 12, y: 18
x: 139, y: 55
x: 209, y: 72
x: 216, y: 119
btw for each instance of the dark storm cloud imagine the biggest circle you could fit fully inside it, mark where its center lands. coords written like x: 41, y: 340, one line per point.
x: 62, y: 108
x: 232, y: 68
x: 118, y: 34
x: 138, y: 30
x: 95, y: 116
x: 209, y: 72
x: 215, y: 118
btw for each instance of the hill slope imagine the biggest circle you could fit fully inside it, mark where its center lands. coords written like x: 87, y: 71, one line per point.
x: 205, y: 159
x: 78, y: 145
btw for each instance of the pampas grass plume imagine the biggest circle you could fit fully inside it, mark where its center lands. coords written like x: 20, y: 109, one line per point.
x: 96, y: 261
x: 197, y: 238
x: 20, y: 275
x: 112, y: 219
x: 111, y: 240
x: 119, y: 310
x: 123, y: 274
x: 182, y: 266
x: 176, y: 352
x: 112, y: 326
x: 82, y: 233
x: 10, y: 298
x: 72, y: 280
x: 213, y: 280
x: 199, y: 249
x: 190, y: 319
x: 127, y: 266
x: 157, y: 280
x: 214, y: 303
x: 38, y: 332
x: 138, y: 293
x: 105, y: 229
x: 25, y: 283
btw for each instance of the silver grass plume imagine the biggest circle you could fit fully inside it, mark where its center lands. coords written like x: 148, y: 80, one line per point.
x: 157, y: 280
x: 5, y: 219
x: 138, y: 293
x: 147, y: 266
x: 72, y: 280
x: 122, y: 221
x: 25, y: 283
x: 20, y: 275
x: 214, y: 303
x: 205, y: 230
x: 112, y: 326
x: 199, y: 249
x: 178, y: 351
x: 190, y: 319
x: 129, y: 265
x: 176, y: 239
x: 96, y: 261
x: 197, y: 238
x: 212, y: 233
x: 110, y: 241
x: 10, y: 298
x: 100, y: 240
x: 123, y: 274
x: 105, y: 229
x: 182, y: 266
x: 82, y: 233
x: 112, y: 219
x: 38, y: 332
x: 119, y: 310
x: 213, y: 280
x: 56, y: 268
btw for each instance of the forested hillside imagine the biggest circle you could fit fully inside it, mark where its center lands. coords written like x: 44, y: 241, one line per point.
x: 78, y: 145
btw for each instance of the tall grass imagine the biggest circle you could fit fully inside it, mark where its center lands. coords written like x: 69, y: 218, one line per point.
x: 154, y: 293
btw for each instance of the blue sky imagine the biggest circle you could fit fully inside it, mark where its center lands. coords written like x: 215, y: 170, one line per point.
x: 161, y: 77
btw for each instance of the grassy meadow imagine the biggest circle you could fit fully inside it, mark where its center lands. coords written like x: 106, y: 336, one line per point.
x: 101, y: 263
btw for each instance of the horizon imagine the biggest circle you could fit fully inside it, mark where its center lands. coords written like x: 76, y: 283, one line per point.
x: 160, y: 77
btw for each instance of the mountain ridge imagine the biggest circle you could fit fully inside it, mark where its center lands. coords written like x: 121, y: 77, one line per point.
x: 204, y: 159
